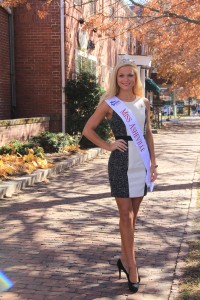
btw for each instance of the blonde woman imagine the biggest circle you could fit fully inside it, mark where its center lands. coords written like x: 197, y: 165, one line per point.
x: 126, y: 168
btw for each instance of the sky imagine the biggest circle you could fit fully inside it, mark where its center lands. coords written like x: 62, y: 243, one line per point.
x: 139, y: 1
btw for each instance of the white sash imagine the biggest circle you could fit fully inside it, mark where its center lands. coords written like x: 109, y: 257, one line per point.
x: 135, y: 132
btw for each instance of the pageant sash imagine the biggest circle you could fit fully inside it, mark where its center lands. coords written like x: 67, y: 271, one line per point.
x: 135, y: 132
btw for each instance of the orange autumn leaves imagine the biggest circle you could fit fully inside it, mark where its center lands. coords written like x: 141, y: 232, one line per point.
x: 173, y: 35
x: 42, y: 11
x: 15, y: 164
x: 171, y: 31
x: 169, y: 28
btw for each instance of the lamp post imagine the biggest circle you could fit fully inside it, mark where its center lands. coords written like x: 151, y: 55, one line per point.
x: 174, y: 103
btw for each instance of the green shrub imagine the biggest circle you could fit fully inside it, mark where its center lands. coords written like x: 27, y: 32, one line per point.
x: 83, y: 96
x: 48, y: 142
x: 18, y: 147
x: 54, y: 142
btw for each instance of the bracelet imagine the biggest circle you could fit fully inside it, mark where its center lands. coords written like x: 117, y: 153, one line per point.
x: 155, y: 166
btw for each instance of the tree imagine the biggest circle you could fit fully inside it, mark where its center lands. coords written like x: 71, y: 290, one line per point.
x: 83, y: 95
x: 169, y: 28
x: 42, y: 11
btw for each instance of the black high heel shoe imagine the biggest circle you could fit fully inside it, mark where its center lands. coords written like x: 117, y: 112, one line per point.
x: 134, y: 287
x: 121, y: 267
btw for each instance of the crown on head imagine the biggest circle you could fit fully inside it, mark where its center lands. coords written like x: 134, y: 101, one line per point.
x: 126, y: 59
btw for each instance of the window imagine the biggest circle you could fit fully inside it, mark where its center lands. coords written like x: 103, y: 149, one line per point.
x: 78, y: 2
x: 92, y: 7
x: 103, y: 74
x: 129, y: 42
x: 111, y: 12
x: 85, y: 63
x: 134, y: 50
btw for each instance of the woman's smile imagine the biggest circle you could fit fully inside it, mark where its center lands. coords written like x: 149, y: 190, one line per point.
x: 126, y: 78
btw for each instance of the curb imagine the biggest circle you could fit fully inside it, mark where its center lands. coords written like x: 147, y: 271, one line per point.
x: 190, y: 234
x: 7, y: 189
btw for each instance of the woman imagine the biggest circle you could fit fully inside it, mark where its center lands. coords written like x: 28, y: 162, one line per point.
x: 126, y: 168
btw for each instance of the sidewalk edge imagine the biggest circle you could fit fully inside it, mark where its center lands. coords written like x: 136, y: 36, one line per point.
x: 8, y: 188
x: 193, y: 214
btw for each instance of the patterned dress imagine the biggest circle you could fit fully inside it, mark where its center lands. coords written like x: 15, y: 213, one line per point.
x: 126, y: 169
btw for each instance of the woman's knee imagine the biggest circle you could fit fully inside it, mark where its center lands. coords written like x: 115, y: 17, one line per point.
x: 125, y: 210
x: 126, y: 217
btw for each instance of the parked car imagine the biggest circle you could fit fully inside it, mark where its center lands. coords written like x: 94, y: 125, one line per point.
x: 167, y: 110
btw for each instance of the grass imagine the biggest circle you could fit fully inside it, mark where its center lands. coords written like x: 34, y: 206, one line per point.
x: 190, y: 283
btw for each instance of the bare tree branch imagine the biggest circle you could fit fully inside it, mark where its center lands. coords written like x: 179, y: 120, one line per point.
x: 166, y: 13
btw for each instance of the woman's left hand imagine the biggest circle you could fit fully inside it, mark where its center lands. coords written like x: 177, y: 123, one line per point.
x: 154, y: 173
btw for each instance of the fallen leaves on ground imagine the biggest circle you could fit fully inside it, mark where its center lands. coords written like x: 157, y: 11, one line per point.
x: 15, y: 164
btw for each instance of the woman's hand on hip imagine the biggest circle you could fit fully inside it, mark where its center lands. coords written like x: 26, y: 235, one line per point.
x: 119, y: 145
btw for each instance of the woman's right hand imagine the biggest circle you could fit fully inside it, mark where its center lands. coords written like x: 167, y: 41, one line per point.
x: 119, y: 145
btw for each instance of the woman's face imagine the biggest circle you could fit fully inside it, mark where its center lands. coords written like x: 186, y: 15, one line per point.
x: 126, y: 78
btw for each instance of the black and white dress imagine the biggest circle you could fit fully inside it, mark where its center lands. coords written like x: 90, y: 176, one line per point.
x: 126, y: 169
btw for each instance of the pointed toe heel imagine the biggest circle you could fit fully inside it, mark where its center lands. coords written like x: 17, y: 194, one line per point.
x: 134, y: 287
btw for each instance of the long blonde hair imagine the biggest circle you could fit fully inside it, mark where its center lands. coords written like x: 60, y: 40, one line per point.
x: 113, y: 89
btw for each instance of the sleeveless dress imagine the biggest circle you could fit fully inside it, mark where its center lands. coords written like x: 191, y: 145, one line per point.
x: 126, y: 169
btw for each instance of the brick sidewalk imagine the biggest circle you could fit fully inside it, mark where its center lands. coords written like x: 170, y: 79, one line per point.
x: 60, y: 240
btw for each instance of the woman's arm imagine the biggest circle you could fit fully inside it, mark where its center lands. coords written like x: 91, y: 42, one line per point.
x: 150, y: 143
x: 100, y: 113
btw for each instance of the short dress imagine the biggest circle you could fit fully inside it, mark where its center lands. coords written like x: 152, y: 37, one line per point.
x: 126, y: 169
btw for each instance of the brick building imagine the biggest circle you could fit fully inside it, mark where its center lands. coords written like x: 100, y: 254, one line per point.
x: 5, y: 78
x: 38, y: 64
x: 47, y: 52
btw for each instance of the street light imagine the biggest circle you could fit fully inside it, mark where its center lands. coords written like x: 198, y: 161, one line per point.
x: 174, y: 103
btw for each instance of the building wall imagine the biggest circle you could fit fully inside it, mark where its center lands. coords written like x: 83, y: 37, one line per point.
x: 106, y: 48
x: 77, y: 37
x: 21, y: 129
x: 38, y: 66
x: 38, y: 58
x: 5, y: 89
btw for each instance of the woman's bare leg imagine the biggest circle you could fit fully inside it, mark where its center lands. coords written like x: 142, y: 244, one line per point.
x: 128, y: 209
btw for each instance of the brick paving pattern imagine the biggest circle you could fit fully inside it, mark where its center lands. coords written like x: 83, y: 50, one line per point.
x: 60, y: 240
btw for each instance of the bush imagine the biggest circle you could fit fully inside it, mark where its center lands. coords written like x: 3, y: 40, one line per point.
x: 18, y: 158
x: 54, y: 142
x: 17, y: 147
x: 83, y: 96
x: 48, y: 142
